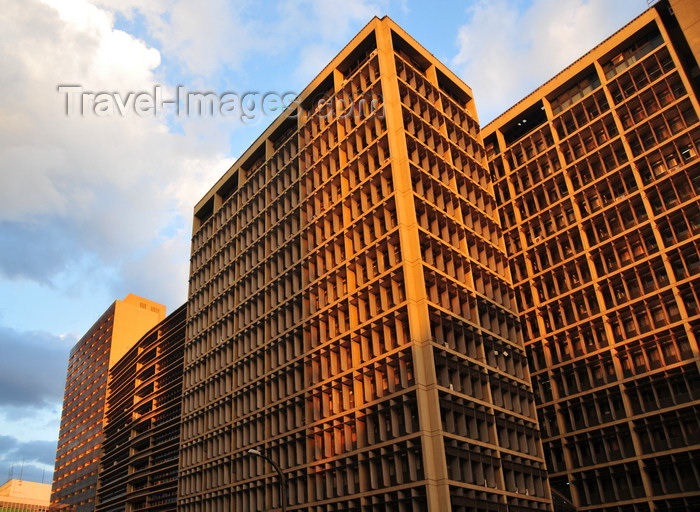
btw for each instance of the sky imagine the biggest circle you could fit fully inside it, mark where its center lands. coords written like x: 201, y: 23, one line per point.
x: 98, y: 183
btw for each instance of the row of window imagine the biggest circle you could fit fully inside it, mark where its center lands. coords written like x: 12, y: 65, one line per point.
x: 644, y: 71
x: 679, y: 428
x: 581, y: 114
x: 580, y: 376
x: 428, y: 95
x: 675, y: 386
x: 644, y: 316
x: 588, y: 139
x: 480, y: 466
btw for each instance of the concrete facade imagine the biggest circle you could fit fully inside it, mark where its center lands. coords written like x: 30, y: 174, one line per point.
x: 597, y: 178
x: 81, y: 430
x: 350, y: 311
x: 139, y: 460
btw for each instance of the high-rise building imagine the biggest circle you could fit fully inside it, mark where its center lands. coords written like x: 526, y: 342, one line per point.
x: 350, y: 313
x: 81, y: 430
x: 140, y: 446
x: 597, y: 178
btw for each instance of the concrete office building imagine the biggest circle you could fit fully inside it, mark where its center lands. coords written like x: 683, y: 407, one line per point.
x: 81, y: 430
x: 597, y: 177
x: 140, y: 447
x: 350, y: 313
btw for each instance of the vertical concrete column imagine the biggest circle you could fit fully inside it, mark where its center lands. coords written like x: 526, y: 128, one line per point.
x: 434, y: 460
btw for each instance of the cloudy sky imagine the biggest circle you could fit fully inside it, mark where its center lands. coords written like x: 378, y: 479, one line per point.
x: 96, y: 196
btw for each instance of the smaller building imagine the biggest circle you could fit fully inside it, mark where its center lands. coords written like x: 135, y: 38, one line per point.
x: 81, y: 431
x: 140, y: 455
x: 19, y: 495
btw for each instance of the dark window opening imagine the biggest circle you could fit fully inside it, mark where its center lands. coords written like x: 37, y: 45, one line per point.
x: 524, y: 123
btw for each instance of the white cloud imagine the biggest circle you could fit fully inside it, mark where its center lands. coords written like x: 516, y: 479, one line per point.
x: 205, y: 36
x: 77, y: 185
x: 505, y: 52
x: 320, y: 28
x: 329, y: 21
x: 211, y: 36
x: 91, y: 208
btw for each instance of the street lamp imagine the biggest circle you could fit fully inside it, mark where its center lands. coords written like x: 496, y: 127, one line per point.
x: 283, y: 479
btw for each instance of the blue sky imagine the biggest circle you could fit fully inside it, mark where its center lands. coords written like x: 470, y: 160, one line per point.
x: 96, y: 206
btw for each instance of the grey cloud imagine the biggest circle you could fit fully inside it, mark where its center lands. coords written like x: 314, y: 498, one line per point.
x: 28, y: 472
x: 7, y: 444
x: 43, y: 452
x: 32, y: 369
x: 35, y: 252
x: 31, y: 460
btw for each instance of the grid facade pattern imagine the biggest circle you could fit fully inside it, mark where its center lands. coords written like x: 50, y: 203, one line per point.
x: 140, y: 449
x: 597, y: 177
x: 489, y: 428
x: 80, y: 434
x: 81, y: 431
x: 350, y: 312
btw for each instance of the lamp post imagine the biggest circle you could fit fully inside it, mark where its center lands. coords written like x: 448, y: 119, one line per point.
x: 283, y: 479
